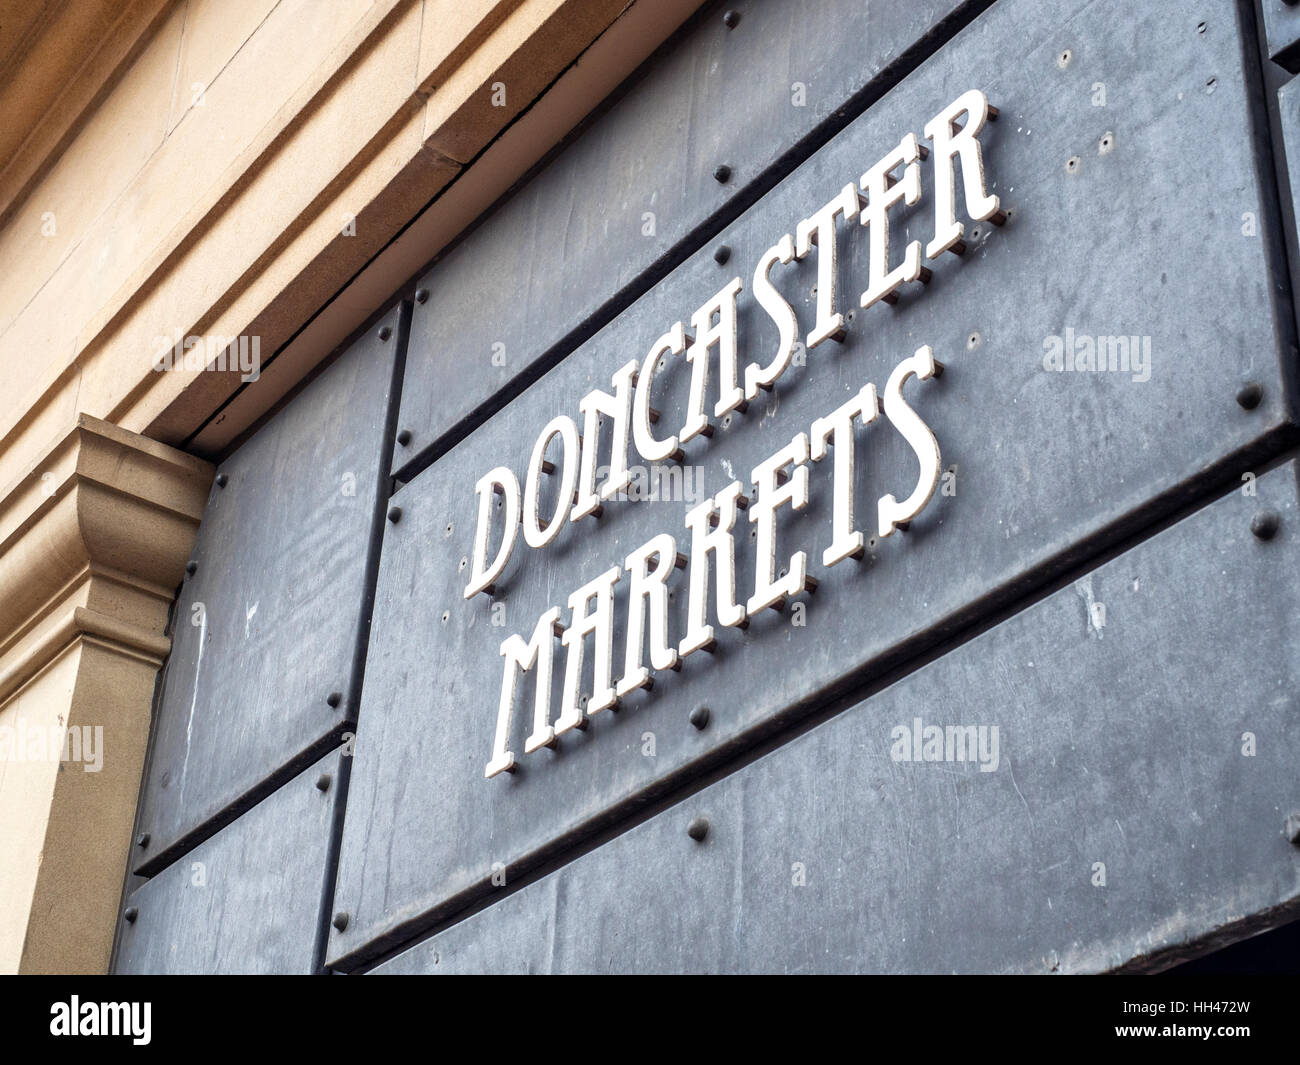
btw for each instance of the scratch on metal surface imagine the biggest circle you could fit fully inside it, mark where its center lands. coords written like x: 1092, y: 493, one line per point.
x: 554, y: 930
x: 194, y: 698
x: 738, y: 874
x: 1094, y: 610
x: 1012, y: 770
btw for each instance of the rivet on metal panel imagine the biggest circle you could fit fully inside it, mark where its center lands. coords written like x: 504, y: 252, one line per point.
x: 698, y: 829
x: 1250, y: 395
x: 130, y: 913
x: 142, y: 840
x: 404, y: 437
x: 722, y: 173
x: 333, y: 700
x: 1072, y: 165
x: 1106, y: 143
x: 722, y: 254
x: 1265, y: 524
x: 323, y: 782
x: 731, y: 19
x: 222, y: 480
x: 1292, y: 827
x: 973, y: 341
x: 191, y: 567
x: 1063, y: 60
x: 394, y: 514
x: 421, y: 294
x: 341, y: 920
x: 385, y: 332
x: 700, y: 717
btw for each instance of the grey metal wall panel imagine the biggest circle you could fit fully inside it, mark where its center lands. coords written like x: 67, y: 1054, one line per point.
x: 1282, y: 32
x: 248, y: 899
x: 272, y: 622
x: 1288, y: 105
x: 1109, y: 752
x: 576, y: 234
x: 1049, y: 466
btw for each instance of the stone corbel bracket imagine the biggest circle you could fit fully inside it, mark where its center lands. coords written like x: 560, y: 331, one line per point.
x: 93, y: 541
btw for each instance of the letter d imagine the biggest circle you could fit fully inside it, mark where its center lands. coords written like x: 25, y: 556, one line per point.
x: 497, y: 481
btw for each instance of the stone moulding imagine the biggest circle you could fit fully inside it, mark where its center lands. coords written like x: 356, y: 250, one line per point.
x: 94, y: 538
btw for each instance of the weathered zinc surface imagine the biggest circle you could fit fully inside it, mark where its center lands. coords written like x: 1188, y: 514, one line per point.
x: 638, y: 185
x: 1288, y: 105
x: 247, y: 900
x: 1121, y: 811
x: 270, y: 626
x: 1282, y: 32
x: 1121, y: 223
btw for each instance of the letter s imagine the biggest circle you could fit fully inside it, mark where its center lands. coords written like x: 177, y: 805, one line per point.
x: 779, y: 310
x: 893, y: 514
